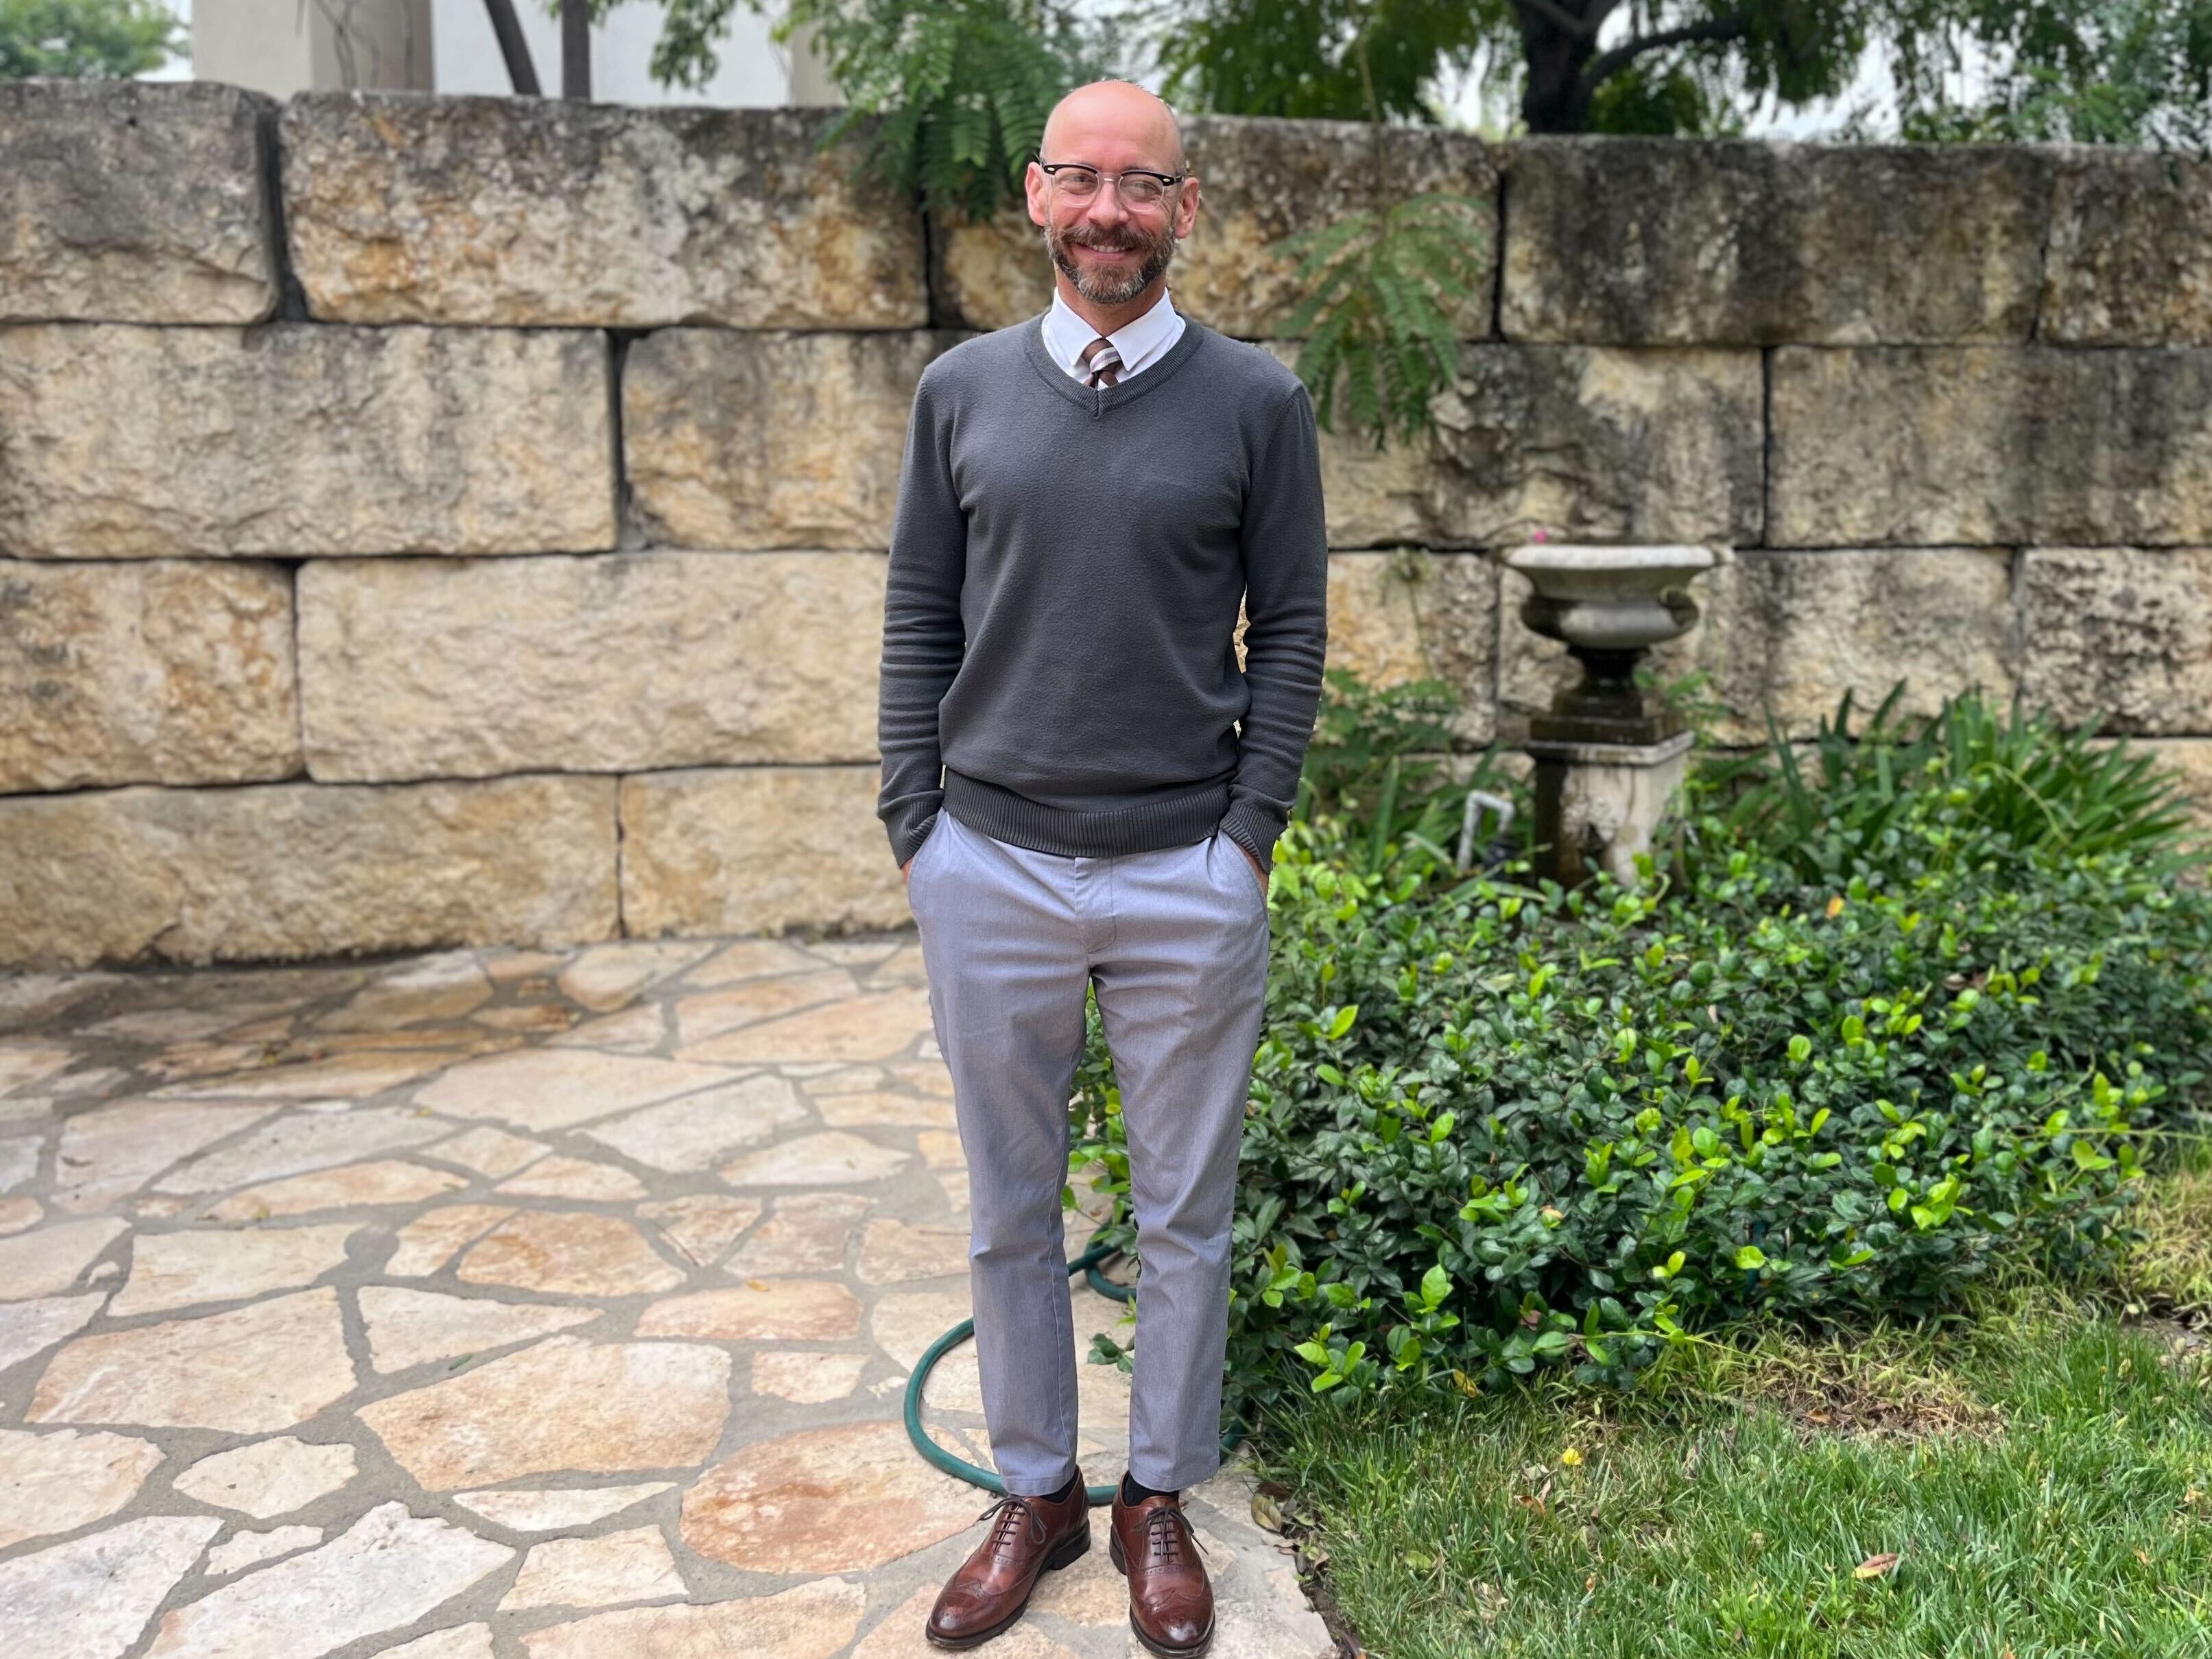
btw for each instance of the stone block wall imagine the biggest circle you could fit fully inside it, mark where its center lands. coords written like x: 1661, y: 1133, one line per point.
x: 429, y: 521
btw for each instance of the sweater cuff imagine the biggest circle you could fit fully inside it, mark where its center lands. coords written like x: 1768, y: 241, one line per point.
x: 913, y: 827
x: 1252, y: 827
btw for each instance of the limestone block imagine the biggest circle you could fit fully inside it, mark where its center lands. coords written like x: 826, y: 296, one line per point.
x: 2130, y: 258
x: 527, y: 210
x: 771, y: 440
x: 1588, y: 443
x: 291, y: 438
x: 1629, y: 240
x: 2190, y: 759
x: 756, y: 850
x: 172, y: 671
x: 1799, y: 629
x: 133, y: 201
x: 1921, y: 444
x: 293, y: 870
x: 1259, y: 180
x: 603, y: 662
x: 1409, y: 615
x: 2121, y: 632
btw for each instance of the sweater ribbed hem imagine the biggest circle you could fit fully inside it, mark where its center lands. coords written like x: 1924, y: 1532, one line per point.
x: 1005, y: 816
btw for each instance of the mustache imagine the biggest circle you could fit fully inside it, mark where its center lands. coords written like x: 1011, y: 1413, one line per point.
x: 1109, y: 243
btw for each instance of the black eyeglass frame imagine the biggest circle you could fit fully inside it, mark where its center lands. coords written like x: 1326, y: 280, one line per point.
x: 1051, y: 170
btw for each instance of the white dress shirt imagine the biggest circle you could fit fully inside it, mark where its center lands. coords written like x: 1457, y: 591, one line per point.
x: 1139, y: 343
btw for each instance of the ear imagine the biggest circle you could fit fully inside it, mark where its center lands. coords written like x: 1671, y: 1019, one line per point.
x: 1034, y: 188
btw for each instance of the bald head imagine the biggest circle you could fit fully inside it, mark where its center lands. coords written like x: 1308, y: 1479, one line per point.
x: 1114, y: 123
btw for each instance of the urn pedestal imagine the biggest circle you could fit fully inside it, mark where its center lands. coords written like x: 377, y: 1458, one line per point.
x: 1607, y: 765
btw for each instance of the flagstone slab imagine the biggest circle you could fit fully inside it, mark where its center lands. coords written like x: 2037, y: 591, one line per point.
x: 893, y: 1252
x: 899, y: 1633
x: 51, y: 1259
x: 388, y: 1181
x: 751, y: 958
x: 28, y: 1062
x: 56, y: 1482
x: 464, y: 1642
x: 561, y: 1511
x: 268, y: 1477
x: 213, y: 1372
x: 570, y: 1253
x: 639, y: 1031
x: 876, y: 1109
x: 704, y: 1225
x: 848, y: 1498
x: 558, y: 1088
x: 575, y: 1177
x: 18, y: 1160
x: 387, y: 1571
x: 604, y: 977
x: 604, y: 1571
x: 352, y: 1075
x: 434, y: 1237
x: 942, y: 1149
x: 90, y: 1597
x: 932, y: 1077
x: 412, y: 1327
x: 301, y: 1142
x: 19, y: 1214
x: 692, y: 1132
x: 567, y: 1404
x: 710, y: 1013
x: 249, y: 1549
x: 804, y: 1233
x: 445, y: 985
x: 954, y: 1184
x: 833, y: 1158
x: 176, y: 1270
x: 490, y: 1152
x: 27, y: 1328
x: 114, y: 1151
x: 879, y: 1026
x: 807, y: 1379
x: 812, y: 1620
x: 783, y: 1310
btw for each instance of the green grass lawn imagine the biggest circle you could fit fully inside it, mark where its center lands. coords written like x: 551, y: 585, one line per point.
x: 2042, y: 1474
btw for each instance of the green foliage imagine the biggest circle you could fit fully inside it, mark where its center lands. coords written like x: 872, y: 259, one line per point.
x: 1345, y: 60
x: 1500, y: 1129
x: 2091, y: 71
x: 952, y: 94
x: 1377, y: 774
x: 1380, y: 289
x: 87, y: 40
x: 1964, y: 787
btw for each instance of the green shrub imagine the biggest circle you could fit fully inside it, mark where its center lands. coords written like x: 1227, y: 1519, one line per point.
x: 1499, y: 1128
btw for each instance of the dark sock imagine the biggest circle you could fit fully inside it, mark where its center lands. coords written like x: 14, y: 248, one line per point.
x: 1066, y: 1491
x: 1133, y: 1494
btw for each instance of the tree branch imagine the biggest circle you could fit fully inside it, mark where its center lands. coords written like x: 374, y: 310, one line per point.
x: 1731, y: 28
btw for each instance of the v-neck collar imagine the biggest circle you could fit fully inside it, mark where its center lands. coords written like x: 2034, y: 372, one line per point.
x: 1096, y: 400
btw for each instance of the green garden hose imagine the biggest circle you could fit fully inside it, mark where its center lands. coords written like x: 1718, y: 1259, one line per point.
x: 1087, y: 1265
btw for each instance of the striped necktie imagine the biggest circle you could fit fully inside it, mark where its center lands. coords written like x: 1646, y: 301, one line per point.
x: 1103, y: 362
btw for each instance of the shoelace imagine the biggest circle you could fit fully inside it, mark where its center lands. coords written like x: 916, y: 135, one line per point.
x: 1160, y: 1536
x: 1010, y: 1504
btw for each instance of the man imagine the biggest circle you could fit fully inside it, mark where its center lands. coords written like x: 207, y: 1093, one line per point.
x: 1084, y: 499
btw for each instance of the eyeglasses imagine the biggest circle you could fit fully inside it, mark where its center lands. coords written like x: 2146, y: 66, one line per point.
x: 1139, y: 187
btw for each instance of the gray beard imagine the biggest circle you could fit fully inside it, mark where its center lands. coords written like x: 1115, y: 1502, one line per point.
x: 1111, y: 293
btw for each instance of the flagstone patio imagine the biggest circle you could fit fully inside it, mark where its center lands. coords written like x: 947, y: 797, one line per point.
x: 515, y: 1304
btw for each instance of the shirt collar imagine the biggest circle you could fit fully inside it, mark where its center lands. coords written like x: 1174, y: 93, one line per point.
x: 1136, y: 343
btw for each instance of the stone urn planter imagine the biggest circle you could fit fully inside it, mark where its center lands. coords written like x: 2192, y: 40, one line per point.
x: 1607, y: 763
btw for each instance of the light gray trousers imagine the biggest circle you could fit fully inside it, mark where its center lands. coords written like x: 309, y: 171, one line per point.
x: 1176, y: 941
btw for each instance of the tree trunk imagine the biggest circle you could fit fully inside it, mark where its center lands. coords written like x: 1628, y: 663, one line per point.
x: 576, y: 49
x: 521, y: 73
x: 1553, y: 100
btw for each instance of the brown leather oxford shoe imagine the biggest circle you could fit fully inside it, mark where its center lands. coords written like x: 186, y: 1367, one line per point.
x: 988, y: 1590
x: 1170, y: 1603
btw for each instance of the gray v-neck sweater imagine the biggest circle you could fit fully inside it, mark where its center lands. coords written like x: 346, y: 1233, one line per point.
x: 1066, y: 564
